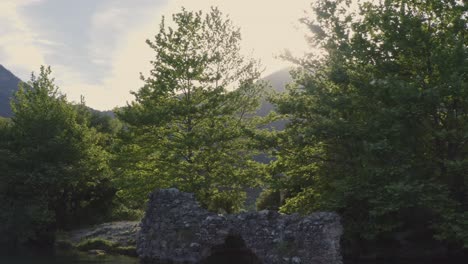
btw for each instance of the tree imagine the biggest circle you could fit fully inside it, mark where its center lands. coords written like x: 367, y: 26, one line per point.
x: 189, y: 125
x: 379, y: 120
x: 105, y: 123
x: 56, y: 175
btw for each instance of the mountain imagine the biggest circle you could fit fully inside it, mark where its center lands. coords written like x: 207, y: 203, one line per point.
x: 8, y: 86
x: 278, y: 81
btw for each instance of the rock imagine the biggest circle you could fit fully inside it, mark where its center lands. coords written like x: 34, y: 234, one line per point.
x: 296, y: 260
x: 122, y: 233
x: 97, y: 252
x: 176, y: 229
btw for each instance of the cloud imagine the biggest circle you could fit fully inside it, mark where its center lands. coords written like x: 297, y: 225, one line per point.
x: 20, y: 47
x: 97, y: 48
x: 267, y: 27
x: 92, y: 46
x: 117, y: 39
x: 66, y: 23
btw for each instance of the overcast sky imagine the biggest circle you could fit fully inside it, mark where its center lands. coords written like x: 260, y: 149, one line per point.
x: 97, y: 47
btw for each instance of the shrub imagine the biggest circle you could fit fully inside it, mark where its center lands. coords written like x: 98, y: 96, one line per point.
x: 269, y: 200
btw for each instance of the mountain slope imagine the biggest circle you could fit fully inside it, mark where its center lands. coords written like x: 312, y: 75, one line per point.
x: 8, y: 86
x: 278, y: 81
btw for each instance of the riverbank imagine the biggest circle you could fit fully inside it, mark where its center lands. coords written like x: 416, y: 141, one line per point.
x: 118, y: 238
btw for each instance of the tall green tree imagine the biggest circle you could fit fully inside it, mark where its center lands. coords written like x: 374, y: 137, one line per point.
x: 379, y: 120
x: 189, y: 125
x: 55, y: 174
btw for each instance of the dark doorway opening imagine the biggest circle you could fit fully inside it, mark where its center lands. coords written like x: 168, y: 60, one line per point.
x: 233, y: 251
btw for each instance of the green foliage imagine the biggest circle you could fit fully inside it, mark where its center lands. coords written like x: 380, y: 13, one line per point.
x: 106, y: 245
x: 126, y: 251
x: 54, y: 173
x: 103, y: 122
x: 379, y: 119
x: 96, y: 243
x: 121, y: 212
x: 189, y: 126
x: 4, y: 122
x: 269, y: 200
x: 225, y: 201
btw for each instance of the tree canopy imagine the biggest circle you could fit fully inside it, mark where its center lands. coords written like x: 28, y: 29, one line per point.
x: 379, y: 120
x: 54, y: 173
x: 376, y: 130
x: 189, y: 125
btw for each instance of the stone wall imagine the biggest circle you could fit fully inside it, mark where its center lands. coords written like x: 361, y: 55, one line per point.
x: 176, y: 230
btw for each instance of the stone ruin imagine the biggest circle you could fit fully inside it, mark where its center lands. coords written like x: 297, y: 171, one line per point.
x: 177, y: 230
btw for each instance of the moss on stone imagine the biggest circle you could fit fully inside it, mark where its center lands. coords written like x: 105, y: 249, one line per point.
x: 96, y: 243
x: 127, y: 251
x: 106, y: 245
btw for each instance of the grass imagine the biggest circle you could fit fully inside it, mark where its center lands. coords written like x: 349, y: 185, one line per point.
x: 106, y: 245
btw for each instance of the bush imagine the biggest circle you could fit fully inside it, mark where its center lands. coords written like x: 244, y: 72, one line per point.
x: 123, y: 213
x: 226, y: 201
x: 269, y: 200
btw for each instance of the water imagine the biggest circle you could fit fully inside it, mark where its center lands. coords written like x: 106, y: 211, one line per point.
x: 65, y: 258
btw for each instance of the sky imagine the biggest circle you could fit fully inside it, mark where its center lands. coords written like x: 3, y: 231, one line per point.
x: 97, y: 48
